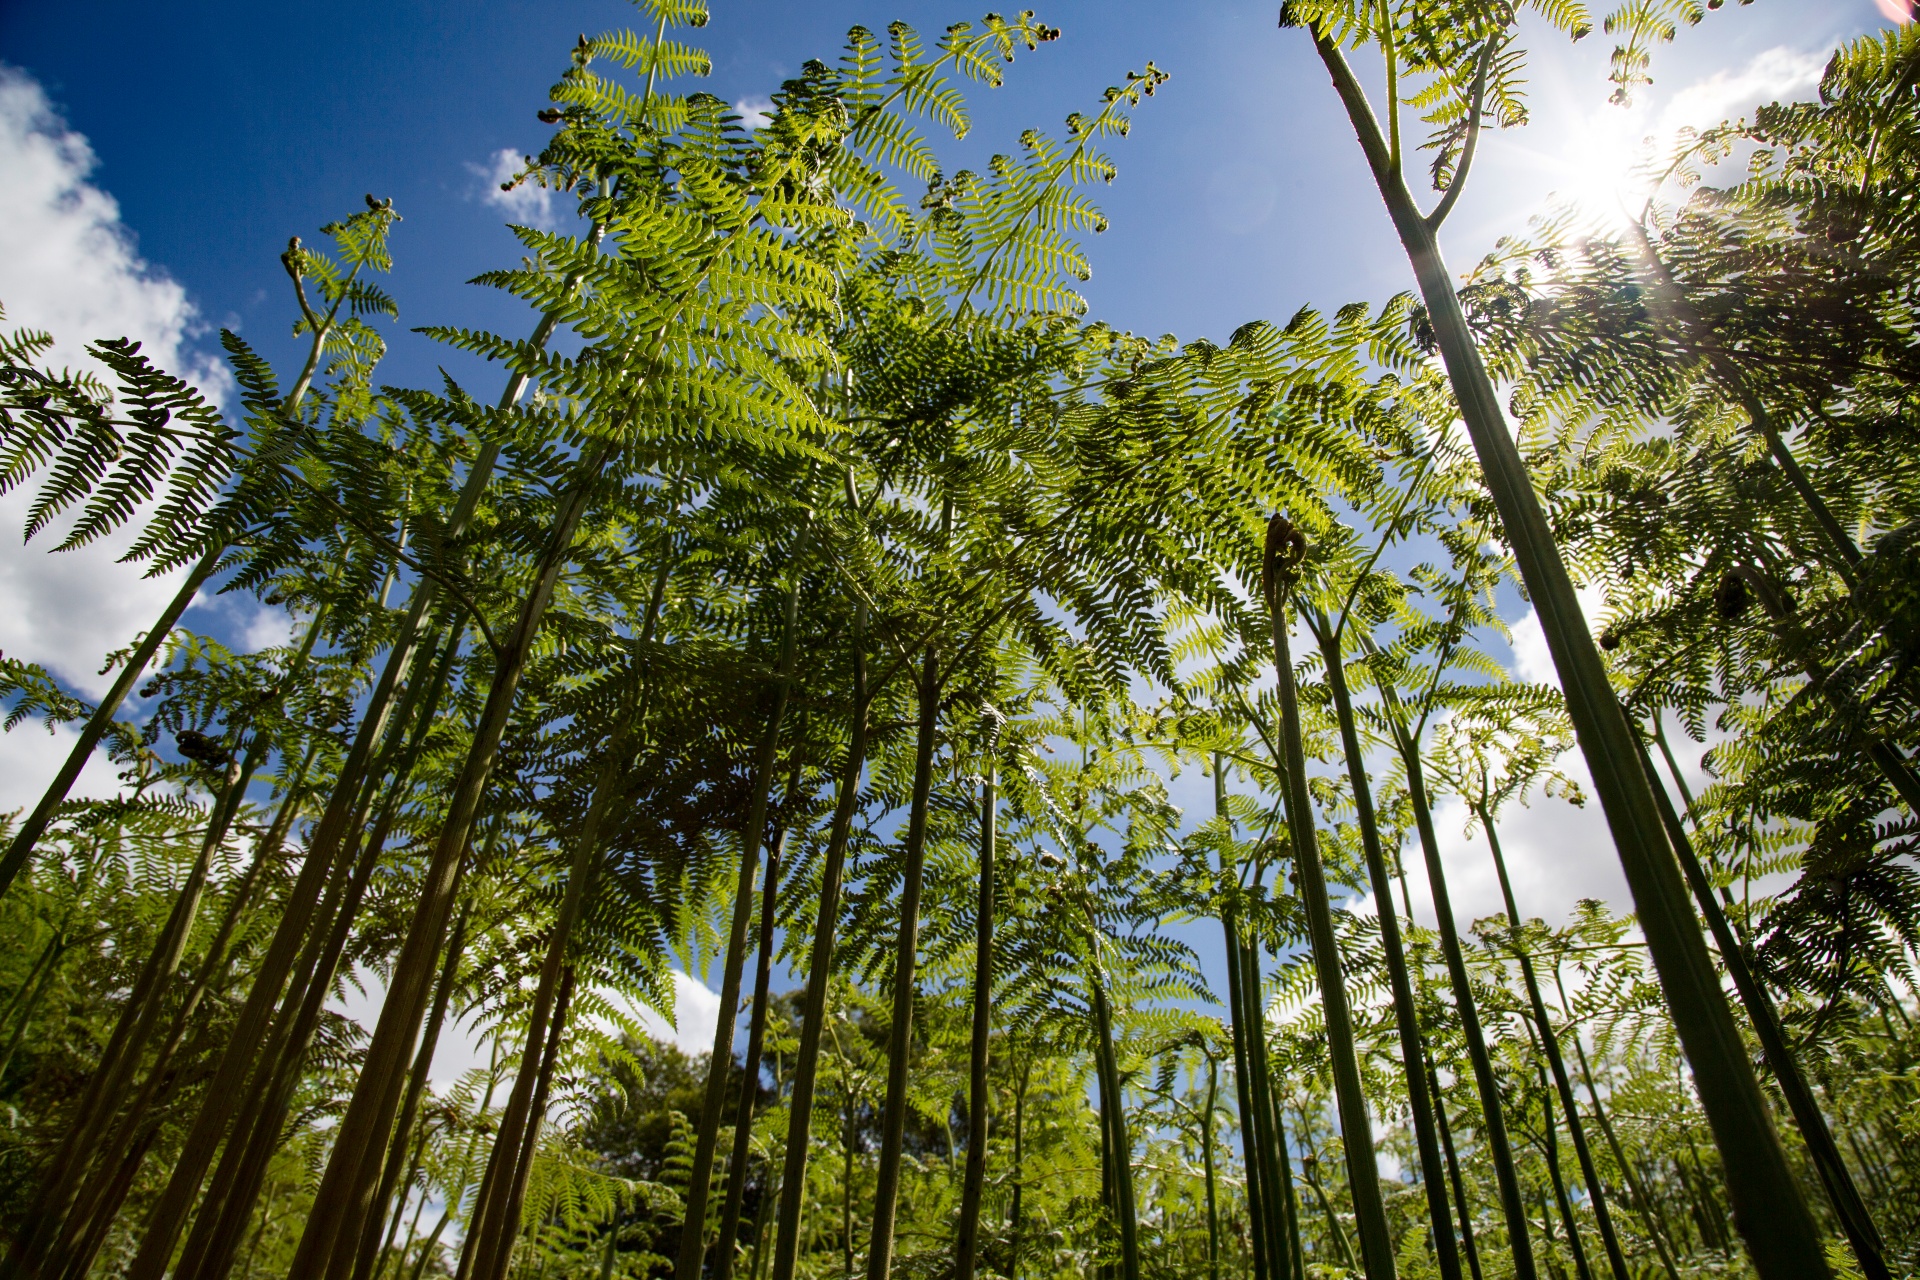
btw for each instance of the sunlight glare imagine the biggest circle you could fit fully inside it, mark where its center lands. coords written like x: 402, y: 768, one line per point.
x: 1614, y: 156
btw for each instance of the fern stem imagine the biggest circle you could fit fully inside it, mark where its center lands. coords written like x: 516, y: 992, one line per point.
x: 1550, y: 1045
x: 1266, y: 1265
x: 1782, y: 1237
x: 693, y: 1229
x: 819, y: 966
x: 372, y: 1252
x: 893, y: 1116
x: 1356, y: 1128
x: 1856, y: 1220
x: 1412, y: 1052
x: 967, y: 1236
x: 742, y: 1155
x: 1499, y: 1145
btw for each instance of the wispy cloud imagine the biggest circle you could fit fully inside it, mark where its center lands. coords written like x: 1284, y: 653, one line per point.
x: 1773, y: 75
x: 754, y: 113
x: 527, y: 203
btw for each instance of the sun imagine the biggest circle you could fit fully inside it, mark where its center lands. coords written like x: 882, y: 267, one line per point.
x: 1602, y: 171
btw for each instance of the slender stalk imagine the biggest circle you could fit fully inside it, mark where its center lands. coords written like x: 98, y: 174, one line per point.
x: 713, y: 1103
x: 756, y: 1046
x: 819, y: 967
x: 1263, y: 1153
x: 1287, y: 1193
x: 1334, y: 1229
x: 228, y: 1204
x: 1635, y: 1188
x: 327, y: 848
x: 1015, y: 1219
x: 1499, y: 1145
x: 1453, y: 1174
x: 1406, y: 1019
x: 138, y: 1126
x: 893, y: 1115
x: 399, y: 1210
x: 1782, y: 1237
x: 1356, y: 1128
x: 1114, y: 1117
x: 237, y: 1184
x: 1551, y: 1145
x: 1856, y: 1220
x: 35, y: 824
x: 351, y: 1176
x: 1550, y: 1044
x: 530, y: 1136
x: 370, y: 1250
x: 103, y: 1196
x: 1269, y: 1149
x: 1206, y: 1164
x: 1250, y: 1119
x: 967, y: 1243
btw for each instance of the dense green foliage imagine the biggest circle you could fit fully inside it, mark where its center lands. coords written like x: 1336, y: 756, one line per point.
x: 826, y: 593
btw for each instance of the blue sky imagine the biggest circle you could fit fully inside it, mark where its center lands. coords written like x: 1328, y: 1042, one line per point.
x: 224, y: 127
x: 154, y: 159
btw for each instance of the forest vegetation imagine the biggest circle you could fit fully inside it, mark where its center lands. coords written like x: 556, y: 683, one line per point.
x: 816, y: 588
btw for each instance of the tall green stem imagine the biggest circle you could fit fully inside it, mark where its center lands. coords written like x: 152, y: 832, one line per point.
x: 1206, y: 1166
x: 1499, y: 1145
x: 1270, y: 1143
x: 1856, y: 1220
x: 893, y: 1115
x: 1262, y: 1132
x: 693, y: 1230
x: 366, y: 1264
x: 820, y: 966
x: 1243, y: 1026
x: 1406, y: 1018
x: 1635, y: 1188
x: 967, y: 1241
x: 756, y: 1046
x: 1113, y: 1114
x: 1550, y: 1043
x: 346, y: 1188
x: 1551, y: 1145
x: 1781, y: 1235
x: 1356, y: 1128
x: 1461, y: 1206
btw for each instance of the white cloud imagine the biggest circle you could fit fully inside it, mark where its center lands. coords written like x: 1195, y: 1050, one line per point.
x: 68, y: 265
x: 1777, y: 74
x: 262, y: 626
x: 754, y: 113
x: 1532, y: 660
x: 30, y: 755
x: 696, y: 1010
x: 462, y: 1048
x: 67, y: 262
x: 528, y: 203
